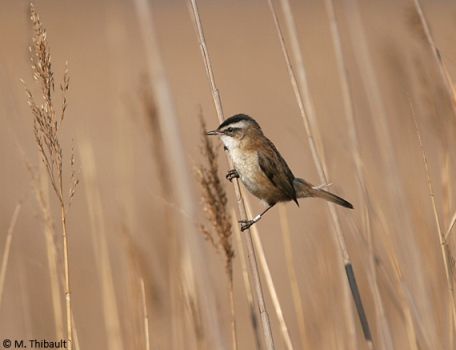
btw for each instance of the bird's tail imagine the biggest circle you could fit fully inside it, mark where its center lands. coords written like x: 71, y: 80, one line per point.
x: 304, y: 189
x: 332, y: 198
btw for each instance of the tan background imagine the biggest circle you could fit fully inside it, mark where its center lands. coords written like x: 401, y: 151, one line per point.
x: 102, y: 42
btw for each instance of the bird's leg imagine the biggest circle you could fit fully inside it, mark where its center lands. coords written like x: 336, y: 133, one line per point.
x: 322, y: 186
x: 232, y: 174
x: 245, y: 224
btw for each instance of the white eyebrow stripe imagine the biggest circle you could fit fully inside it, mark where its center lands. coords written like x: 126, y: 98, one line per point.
x: 240, y: 124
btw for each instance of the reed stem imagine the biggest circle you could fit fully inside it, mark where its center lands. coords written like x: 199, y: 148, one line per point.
x: 264, y: 317
x: 306, y: 109
x: 7, y: 248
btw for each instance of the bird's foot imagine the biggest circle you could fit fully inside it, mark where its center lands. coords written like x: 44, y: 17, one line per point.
x: 232, y: 174
x: 245, y: 224
x: 322, y: 186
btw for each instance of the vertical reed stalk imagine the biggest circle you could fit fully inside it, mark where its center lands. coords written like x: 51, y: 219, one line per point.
x: 436, y: 55
x: 270, y: 283
x: 66, y: 265
x: 7, y: 247
x: 285, y: 228
x: 306, y: 109
x: 75, y: 334
x: 47, y: 123
x: 166, y: 192
x: 267, y: 332
x: 215, y: 201
x: 42, y: 196
x: 388, y: 158
x: 40, y: 187
x: 400, y: 286
x: 351, y: 127
x: 101, y: 248
x: 246, y: 280
x: 384, y: 330
x: 145, y: 314
x: 234, y: 340
x: 445, y: 249
x: 191, y: 282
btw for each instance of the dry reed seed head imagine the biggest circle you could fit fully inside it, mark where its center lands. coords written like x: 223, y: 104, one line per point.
x: 45, y: 124
x: 74, y: 177
x: 214, y: 200
x: 41, y: 55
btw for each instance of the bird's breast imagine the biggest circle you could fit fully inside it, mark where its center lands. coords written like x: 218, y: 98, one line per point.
x: 250, y: 173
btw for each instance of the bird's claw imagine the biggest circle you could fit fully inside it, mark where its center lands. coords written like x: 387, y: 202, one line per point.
x: 232, y: 174
x: 245, y: 224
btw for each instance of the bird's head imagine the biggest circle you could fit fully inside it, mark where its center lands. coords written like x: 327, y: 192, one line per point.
x: 236, y: 128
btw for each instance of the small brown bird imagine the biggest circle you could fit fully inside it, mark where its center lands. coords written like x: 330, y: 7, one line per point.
x: 261, y: 168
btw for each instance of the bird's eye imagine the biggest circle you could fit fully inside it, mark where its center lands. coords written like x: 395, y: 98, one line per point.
x: 229, y: 129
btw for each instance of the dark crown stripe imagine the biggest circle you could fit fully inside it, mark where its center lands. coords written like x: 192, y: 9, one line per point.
x: 237, y: 118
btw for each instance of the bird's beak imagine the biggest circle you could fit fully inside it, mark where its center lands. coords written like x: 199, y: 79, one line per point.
x: 214, y: 132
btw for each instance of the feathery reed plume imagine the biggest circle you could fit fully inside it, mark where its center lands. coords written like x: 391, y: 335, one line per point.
x: 215, y: 206
x: 47, y: 122
x: 215, y: 202
x: 6, y: 249
x: 306, y: 108
x: 267, y: 332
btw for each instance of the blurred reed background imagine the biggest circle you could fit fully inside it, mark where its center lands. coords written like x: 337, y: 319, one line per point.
x: 142, y: 275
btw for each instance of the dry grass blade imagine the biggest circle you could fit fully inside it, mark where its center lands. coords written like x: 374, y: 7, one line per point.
x: 101, y: 248
x: 215, y: 207
x: 40, y: 186
x: 297, y: 300
x: 270, y: 284
x: 395, y: 191
x: 145, y: 315
x: 306, y: 108
x: 6, y: 249
x: 436, y: 54
x: 166, y: 194
x: 41, y: 189
x: 46, y: 130
x: 267, y: 332
x: 450, y: 226
x: 355, y: 147
x: 445, y: 249
x: 246, y: 280
x: 190, y: 255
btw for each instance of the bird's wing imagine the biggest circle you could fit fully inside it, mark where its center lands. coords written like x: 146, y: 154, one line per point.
x: 276, y: 170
